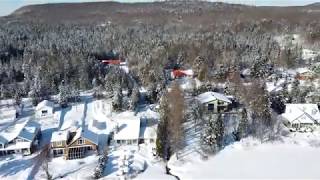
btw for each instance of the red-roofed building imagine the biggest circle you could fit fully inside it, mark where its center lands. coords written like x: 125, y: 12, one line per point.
x: 112, y: 62
x: 178, y: 73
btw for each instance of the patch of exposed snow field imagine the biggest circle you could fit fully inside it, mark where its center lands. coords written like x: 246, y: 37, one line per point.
x: 290, y: 158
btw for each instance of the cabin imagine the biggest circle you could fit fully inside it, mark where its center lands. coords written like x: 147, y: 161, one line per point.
x: 45, y: 109
x: 21, y: 138
x: 301, y: 117
x: 73, y: 145
x: 179, y: 73
x: 214, y: 102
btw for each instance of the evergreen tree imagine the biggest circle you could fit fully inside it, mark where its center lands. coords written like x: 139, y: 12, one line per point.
x: 63, y: 95
x: 117, y: 100
x: 162, y: 142
x: 135, y: 97
x: 213, y: 133
x: 242, y: 129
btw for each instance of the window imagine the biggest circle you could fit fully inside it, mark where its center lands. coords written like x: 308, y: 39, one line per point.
x: 44, y: 112
x: 59, y: 143
x: 210, y: 107
x: 57, y: 152
x: 1, y: 146
x: 80, y: 141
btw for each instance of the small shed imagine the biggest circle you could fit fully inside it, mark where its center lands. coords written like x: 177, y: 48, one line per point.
x: 45, y: 109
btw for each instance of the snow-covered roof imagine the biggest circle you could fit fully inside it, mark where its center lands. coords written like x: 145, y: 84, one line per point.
x: 303, y: 70
x: 44, y: 103
x: 86, y: 134
x: 211, y: 96
x: 59, y: 136
x: 306, y: 113
x: 29, y: 131
x: 128, y: 126
x: 25, y: 130
x: 11, y: 132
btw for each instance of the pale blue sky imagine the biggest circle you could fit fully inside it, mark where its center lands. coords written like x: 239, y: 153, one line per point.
x: 8, y: 6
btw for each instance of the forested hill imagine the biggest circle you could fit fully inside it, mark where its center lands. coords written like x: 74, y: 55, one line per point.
x: 188, y: 12
x: 42, y: 46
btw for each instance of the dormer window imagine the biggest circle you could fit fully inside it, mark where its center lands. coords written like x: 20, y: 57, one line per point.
x: 80, y: 141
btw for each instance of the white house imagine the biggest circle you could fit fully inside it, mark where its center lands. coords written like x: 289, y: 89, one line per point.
x: 301, y: 117
x: 21, y: 138
x: 127, y: 131
x: 214, y: 102
x: 45, y: 109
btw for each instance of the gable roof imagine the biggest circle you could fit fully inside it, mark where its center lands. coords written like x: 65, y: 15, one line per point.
x: 11, y: 132
x: 44, y: 103
x: 306, y: 113
x: 29, y: 131
x: 86, y: 134
x: 59, y: 136
x: 25, y: 130
x: 211, y: 96
x: 127, y: 129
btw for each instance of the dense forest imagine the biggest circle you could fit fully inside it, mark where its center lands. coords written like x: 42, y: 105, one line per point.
x: 40, y: 48
x: 57, y: 49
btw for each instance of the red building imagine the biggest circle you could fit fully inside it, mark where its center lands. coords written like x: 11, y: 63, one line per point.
x: 111, y: 62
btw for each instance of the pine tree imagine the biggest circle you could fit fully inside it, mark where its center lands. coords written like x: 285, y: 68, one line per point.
x: 63, y: 95
x: 162, y: 142
x: 219, y: 130
x: 296, y: 92
x: 213, y: 133
x: 117, y: 99
x: 135, y: 97
x: 242, y: 129
x: 209, y: 137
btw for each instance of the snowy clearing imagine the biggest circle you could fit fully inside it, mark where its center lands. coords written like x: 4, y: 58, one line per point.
x: 249, y: 159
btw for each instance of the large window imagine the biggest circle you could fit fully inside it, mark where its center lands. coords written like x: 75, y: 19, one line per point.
x: 58, y: 152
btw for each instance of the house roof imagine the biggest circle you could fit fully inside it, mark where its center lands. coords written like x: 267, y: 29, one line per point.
x: 25, y: 130
x: 211, y: 96
x: 87, y: 134
x: 59, y: 136
x: 127, y: 128
x: 44, y: 103
x: 29, y: 131
x: 11, y: 132
x: 306, y: 113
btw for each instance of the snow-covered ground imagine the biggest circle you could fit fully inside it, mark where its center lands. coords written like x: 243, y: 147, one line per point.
x: 143, y: 165
x: 292, y: 157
